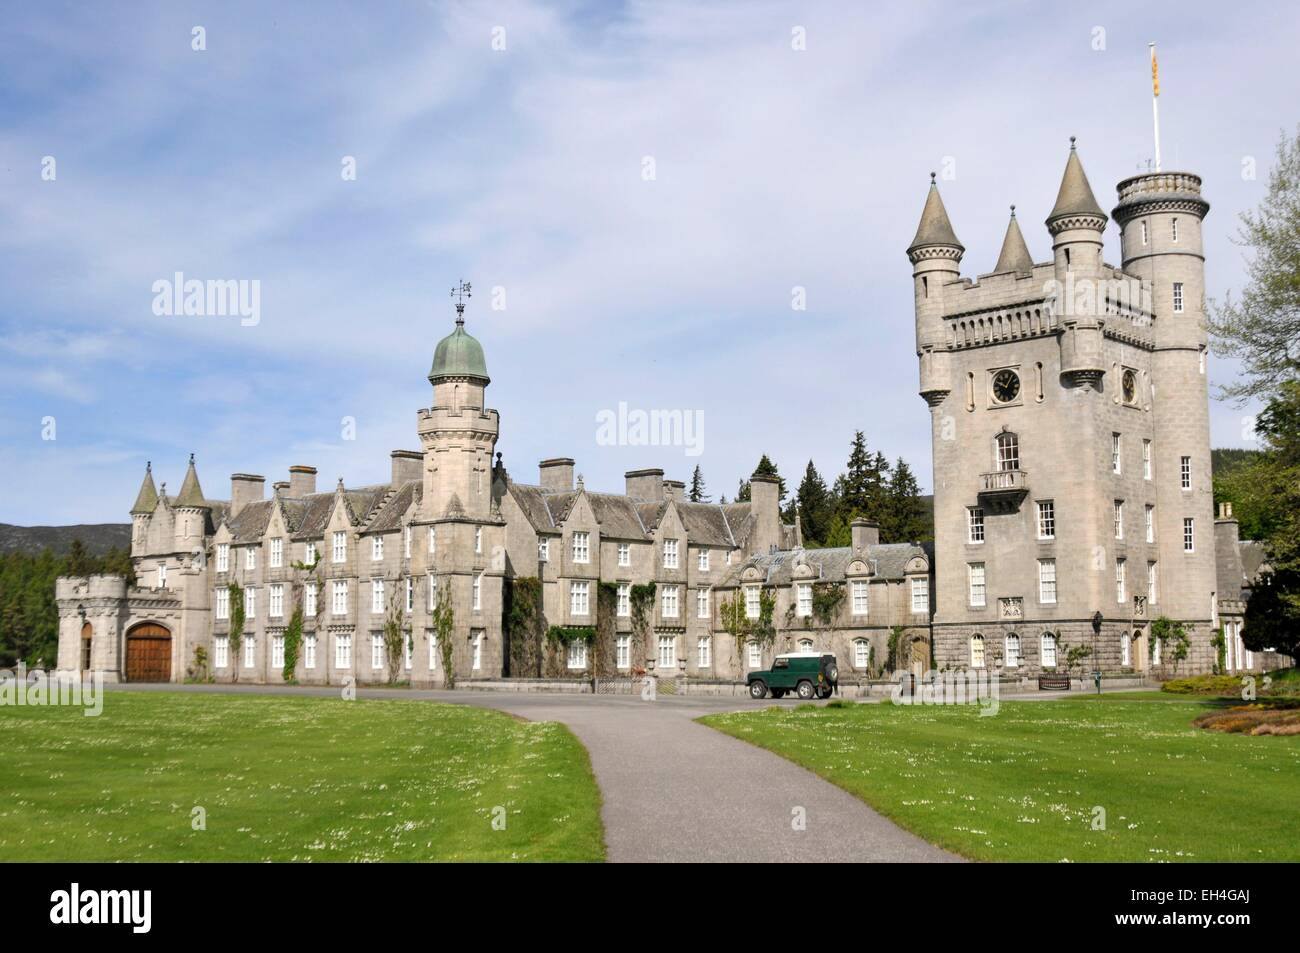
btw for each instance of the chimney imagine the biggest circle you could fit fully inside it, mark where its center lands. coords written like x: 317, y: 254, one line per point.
x: 866, y: 533
x: 302, y: 481
x: 406, y: 466
x: 674, y: 490
x: 1227, y: 553
x: 280, y: 486
x: 245, y: 488
x: 765, y: 504
x: 556, y: 474
x: 646, y: 485
x: 1225, y: 511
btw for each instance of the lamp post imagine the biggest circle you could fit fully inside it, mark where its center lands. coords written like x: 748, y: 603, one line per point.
x: 1096, y: 659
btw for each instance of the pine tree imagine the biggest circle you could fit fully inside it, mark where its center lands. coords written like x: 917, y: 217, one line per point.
x: 904, y: 520
x: 742, y: 492
x: 814, y: 504
x: 697, y: 494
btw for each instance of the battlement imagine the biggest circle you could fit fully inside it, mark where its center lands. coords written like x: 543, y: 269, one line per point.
x: 1160, y: 192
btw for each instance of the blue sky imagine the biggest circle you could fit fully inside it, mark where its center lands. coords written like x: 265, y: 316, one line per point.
x: 522, y: 169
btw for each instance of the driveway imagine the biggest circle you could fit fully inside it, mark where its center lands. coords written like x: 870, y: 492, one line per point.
x: 675, y: 790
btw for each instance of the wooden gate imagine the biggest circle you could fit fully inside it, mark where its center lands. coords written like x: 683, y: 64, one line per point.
x: 148, y: 653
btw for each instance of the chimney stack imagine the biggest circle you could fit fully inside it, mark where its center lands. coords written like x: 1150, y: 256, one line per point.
x: 406, y: 466
x: 245, y: 488
x: 674, y: 490
x: 556, y: 474
x: 645, y: 485
x: 302, y: 481
x: 765, y: 504
x: 280, y: 486
x: 866, y: 533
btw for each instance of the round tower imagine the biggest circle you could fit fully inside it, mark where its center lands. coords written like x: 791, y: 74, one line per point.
x: 191, y: 513
x: 1077, y: 226
x: 935, y: 254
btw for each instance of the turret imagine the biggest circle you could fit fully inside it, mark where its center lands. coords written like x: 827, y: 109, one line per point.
x: 1014, y: 256
x: 146, y: 501
x: 1077, y: 226
x: 935, y: 254
x: 191, y: 511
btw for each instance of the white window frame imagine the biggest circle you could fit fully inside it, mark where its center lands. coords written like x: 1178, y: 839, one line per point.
x: 625, y: 554
x: 1121, y: 579
x: 476, y: 640
x: 277, y: 651
x: 1153, y: 582
x: 433, y: 540
x: 308, y: 553
x: 1011, y: 650
x: 223, y: 557
x: 753, y: 655
x: 1150, y: 516
x: 1146, y: 459
x: 703, y: 560
x: 1047, y: 650
x: 1116, y: 453
x: 1118, y: 519
x: 976, y: 585
x: 250, y: 651
x: 376, y: 651
x: 704, y: 652
x: 1185, y: 472
x: 221, y: 652
x: 670, y: 606
x: 579, y: 597
x: 624, y: 600
x: 338, y: 597
x: 275, y: 601
x: 1125, y: 650
x: 581, y: 547
x: 376, y: 548
x: 920, y: 595
x: 753, y: 602
x: 478, y: 539
x: 1178, y: 297
x: 978, y: 651
x: 702, y: 604
x: 1046, y: 519
x: 860, y: 601
x: 667, y: 654
x: 222, y: 603
x: 339, y: 551
x: 803, y: 604
x: 309, y: 651
x: 623, y: 651
x: 162, y: 574
x: 861, y: 653
x: 343, y: 650
x: 250, y: 558
x: 377, y: 596
x: 544, y: 549
x: 670, y: 554
x: 250, y: 603
x: 407, y: 532
x: 1047, y: 581
x: 277, y: 553
x: 410, y: 594
x: 975, y: 525
x: 576, y: 654
x: 1189, y: 534
x: 309, y: 595
x: 432, y: 636
x: 476, y: 593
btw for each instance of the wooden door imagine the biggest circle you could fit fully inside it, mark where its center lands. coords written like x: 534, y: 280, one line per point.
x: 148, y: 653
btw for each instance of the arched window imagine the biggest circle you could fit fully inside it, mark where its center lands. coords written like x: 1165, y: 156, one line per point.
x: 1049, y: 650
x: 805, y: 645
x: 861, y: 653
x: 1008, y: 451
x: 87, y: 640
x: 977, y: 651
x: 1012, y: 650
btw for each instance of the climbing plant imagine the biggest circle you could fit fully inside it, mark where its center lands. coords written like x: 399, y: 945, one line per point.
x: 1220, y: 651
x: 293, y: 631
x: 443, y: 618
x: 236, y: 626
x: 601, y: 661
x: 395, y: 633
x: 524, y: 625
x: 642, y: 600
x: 1165, y: 631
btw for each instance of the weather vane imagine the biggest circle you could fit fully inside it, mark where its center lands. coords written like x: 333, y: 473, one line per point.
x: 460, y: 293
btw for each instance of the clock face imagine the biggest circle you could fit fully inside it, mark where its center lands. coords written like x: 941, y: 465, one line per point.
x: 1006, y: 387
x: 1130, y: 387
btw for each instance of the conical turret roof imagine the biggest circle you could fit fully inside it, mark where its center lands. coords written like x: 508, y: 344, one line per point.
x: 935, y: 228
x: 191, y: 493
x: 1075, y: 196
x: 1015, y: 253
x: 146, y: 501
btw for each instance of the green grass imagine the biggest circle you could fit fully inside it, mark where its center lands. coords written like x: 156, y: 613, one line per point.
x: 304, y: 779
x: 1022, y: 785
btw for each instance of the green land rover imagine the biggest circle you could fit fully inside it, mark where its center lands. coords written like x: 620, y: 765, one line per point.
x: 807, y: 674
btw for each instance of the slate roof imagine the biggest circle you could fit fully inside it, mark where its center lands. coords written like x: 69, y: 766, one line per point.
x: 1015, y: 253
x: 249, y: 525
x: 390, y: 517
x: 1253, y: 560
x: 935, y: 227
x: 829, y: 565
x: 310, y: 515
x: 1075, y: 196
x: 706, y: 523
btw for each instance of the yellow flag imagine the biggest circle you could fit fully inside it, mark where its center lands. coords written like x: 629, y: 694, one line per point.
x: 1155, y: 73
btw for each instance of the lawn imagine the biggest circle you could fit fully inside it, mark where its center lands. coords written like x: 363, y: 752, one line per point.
x: 291, y: 779
x: 1024, y: 784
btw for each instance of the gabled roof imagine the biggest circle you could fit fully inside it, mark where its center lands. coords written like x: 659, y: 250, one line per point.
x: 389, y: 518
x: 532, y: 501
x: 249, y: 526
x: 706, y: 524
x: 889, y: 561
x: 310, y: 515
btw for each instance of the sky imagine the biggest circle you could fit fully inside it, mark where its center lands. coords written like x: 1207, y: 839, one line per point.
x: 639, y: 193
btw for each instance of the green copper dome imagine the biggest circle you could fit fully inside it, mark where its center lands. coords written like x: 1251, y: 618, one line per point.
x: 459, y: 355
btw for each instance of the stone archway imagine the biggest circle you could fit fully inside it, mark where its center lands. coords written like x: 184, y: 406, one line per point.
x: 148, y: 653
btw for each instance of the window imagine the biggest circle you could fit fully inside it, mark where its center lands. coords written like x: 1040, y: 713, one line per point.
x: 974, y: 524
x: 703, y: 654
x: 433, y: 540
x: 309, y: 652
x: 804, y: 603
x: 1155, y: 653
x: 751, y: 602
x: 580, y: 548
x: 277, y: 651
x: 376, y: 650
x: 277, y: 553
x: 578, y: 598
x: 1153, y: 583
x: 543, y: 549
x: 162, y: 575
x: 624, y: 599
x: 1178, y: 297
x: 339, y: 597
x: 1048, y: 644
x: 432, y: 599
x: 1116, y: 463
x: 975, y: 580
x: 478, y: 539
x: 410, y: 593
x: 1119, y: 519
x: 377, y: 595
x: 1146, y: 459
x: 704, y: 560
x: 1012, y: 647
x: 1149, y: 513
x: 701, y: 603
x: 1046, y: 519
x: 1121, y: 587
x: 250, y: 603
x: 432, y: 636
x: 920, y: 596
x: 1189, y: 534
x: 1008, y: 451
x: 476, y: 594
x: 861, y: 653
x: 376, y: 548
x: 250, y: 558
x: 1185, y: 472
x: 670, y: 602
x: 1173, y: 230
x: 667, y: 651
x: 977, y: 651
x: 623, y: 651
x: 223, y: 557
x: 223, y: 603
x: 223, y: 651
x: 406, y: 541
x: 1047, y: 581
x: 1125, y: 651
x: 250, y: 651
x: 625, y: 554
x: 343, y: 651
x: 805, y: 645
x: 860, y: 598
x: 340, y: 548
x: 670, y: 554
x: 577, y: 654
x: 276, y: 608
x: 753, y: 655
x: 1144, y: 231
x: 406, y: 650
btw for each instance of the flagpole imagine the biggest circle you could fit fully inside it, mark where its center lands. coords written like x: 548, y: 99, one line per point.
x: 1155, y: 100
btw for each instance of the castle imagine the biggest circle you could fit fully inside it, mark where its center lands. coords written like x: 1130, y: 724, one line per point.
x: 1073, y: 505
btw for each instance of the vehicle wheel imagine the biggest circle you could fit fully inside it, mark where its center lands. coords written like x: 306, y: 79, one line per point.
x: 778, y: 693
x: 757, y: 689
x: 823, y: 693
x: 833, y: 673
x: 805, y: 690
